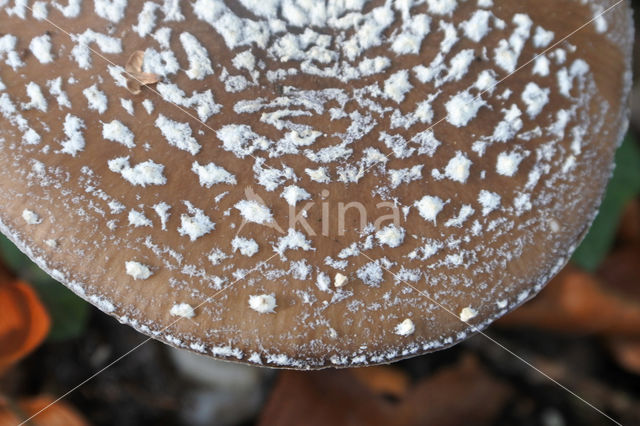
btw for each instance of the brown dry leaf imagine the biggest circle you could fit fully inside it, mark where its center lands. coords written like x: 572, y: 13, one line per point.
x: 24, y: 322
x: 59, y: 414
x: 136, y: 78
x: 577, y: 302
x: 629, y: 231
x: 451, y: 397
x: 383, y: 380
x: 621, y: 272
x: 326, y: 397
x: 627, y: 353
x: 459, y: 395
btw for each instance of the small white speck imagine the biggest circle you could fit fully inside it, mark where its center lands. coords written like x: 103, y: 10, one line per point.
x: 31, y: 217
x: 467, y: 314
x: 137, y: 270
x: 264, y: 303
x: 458, y: 168
x: 183, y: 310
x: 405, y: 328
x: 392, y: 235
x: 340, y: 280
x: 508, y: 162
x: 429, y: 207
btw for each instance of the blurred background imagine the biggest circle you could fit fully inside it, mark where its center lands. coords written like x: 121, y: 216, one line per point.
x: 583, y: 330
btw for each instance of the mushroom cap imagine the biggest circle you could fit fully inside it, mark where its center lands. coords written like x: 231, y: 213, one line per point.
x: 309, y: 183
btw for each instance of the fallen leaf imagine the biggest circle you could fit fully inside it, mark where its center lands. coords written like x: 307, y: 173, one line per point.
x: 627, y: 353
x: 461, y: 394
x: 135, y: 77
x: 577, y: 302
x: 68, y: 312
x: 58, y: 414
x: 326, y: 397
x: 621, y: 272
x: 24, y: 322
x: 629, y: 231
x: 383, y: 380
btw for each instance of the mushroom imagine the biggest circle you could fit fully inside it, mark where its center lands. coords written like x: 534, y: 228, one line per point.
x: 326, y: 183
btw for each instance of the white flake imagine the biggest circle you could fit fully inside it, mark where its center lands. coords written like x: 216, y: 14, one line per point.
x: 117, y: 132
x: 247, y: 246
x: 535, y: 98
x: 293, y: 194
x: 146, y: 19
x: 31, y: 217
x: 41, y: 48
x: 137, y: 270
x: 71, y: 10
x: 467, y: 314
x: 405, y: 328
x: 178, y: 134
x: 542, y: 38
x: 75, y: 139
x: 138, y: 219
x: 442, y: 7
x: 465, y: 212
x: 263, y: 303
x: 183, y: 310
x: 112, y: 10
x: 397, y: 86
x: 127, y: 105
x: 319, y: 175
x: 458, y: 168
x: 508, y: 162
x: 162, y: 210
x: 294, y: 240
x: 340, y: 280
x: 212, y: 174
x: 39, y: 10
x: 96, y: 98
x: 392, y: 235
x: 252, y: 211
x: 82, y: 53
x: 143, y: 174
x: 199, y: 62
x: 462, y: 108
x: 195, y: 224
x: 489, y: 201
x: 36, y: 98
x: 477, y: 27
x: 429, y: 207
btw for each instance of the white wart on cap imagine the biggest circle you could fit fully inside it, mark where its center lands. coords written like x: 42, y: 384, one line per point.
x: 224, y: 182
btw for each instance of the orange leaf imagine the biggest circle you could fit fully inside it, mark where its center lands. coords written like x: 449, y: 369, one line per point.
x: 577, y: 302
x: 59, y: 414
x: 627, y: 353
x: 24, y: 322
x: 383, y: 380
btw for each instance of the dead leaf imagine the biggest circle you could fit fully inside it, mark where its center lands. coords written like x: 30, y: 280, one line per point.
x: 24, y: 322
x: 577, y: 302
x: 59, y: 414
x: 621, y: 272
x: 629, y: 231
x: 627, y: 353
x: 461, y: 394
x: 135, y: 77
x: 326, y: 397
x: 383, y: 380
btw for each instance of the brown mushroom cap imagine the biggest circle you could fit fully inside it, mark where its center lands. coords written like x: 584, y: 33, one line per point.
x: 179, y: 199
